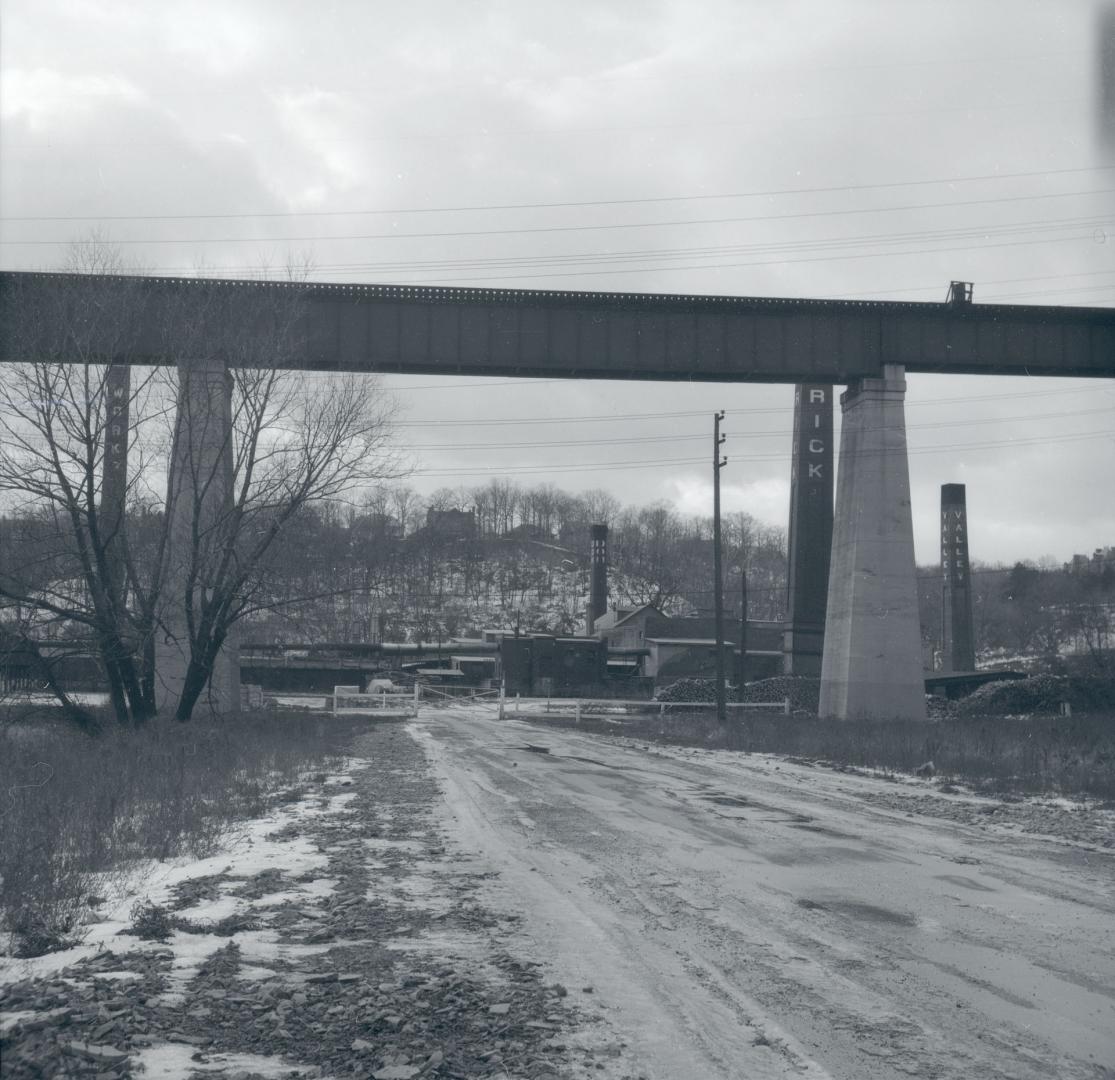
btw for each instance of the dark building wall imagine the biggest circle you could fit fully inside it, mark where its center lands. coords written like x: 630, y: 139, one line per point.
x: 698, y: 626
x: 514, y: 666
x: 562, y: 667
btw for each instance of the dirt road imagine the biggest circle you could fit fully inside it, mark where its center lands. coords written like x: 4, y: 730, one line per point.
x: 750, y: 918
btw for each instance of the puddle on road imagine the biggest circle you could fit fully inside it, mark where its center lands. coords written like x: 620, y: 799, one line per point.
x: 602, y: 764
x: 726, y: 800
x: 824, y: 830
x: 546, y: 751
x: 857, y: 910
x: 965, y: 882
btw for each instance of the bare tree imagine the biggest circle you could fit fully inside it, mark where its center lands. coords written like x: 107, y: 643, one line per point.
x: 255, y: 444
x: 60, y: 443
x: 250, y: 444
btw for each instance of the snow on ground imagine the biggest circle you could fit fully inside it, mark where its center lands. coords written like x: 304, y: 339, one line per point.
x: 173, y: 1061
x: 246, y: 852
x: 329, y: 932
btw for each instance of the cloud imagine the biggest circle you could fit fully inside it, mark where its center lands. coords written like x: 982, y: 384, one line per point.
x: 266, y: 106
x: 45, y: 99
x: 766, y: 500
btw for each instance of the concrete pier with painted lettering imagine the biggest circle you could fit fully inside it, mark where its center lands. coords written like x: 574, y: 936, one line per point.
x: 810, y: 532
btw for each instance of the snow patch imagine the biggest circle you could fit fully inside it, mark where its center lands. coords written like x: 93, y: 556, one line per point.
x: 212, y: 910
x: 173, y: 1061
x: 246, y: 852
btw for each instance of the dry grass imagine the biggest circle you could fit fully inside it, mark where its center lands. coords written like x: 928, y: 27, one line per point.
x: 1026, y: 754
x: 73, y: 809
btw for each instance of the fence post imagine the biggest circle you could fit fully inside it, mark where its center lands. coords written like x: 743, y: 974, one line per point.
x: 662, y: 711
x: 577, y: 717
x: 786, y: 707
x: 417, y: 696
x: 516, y: 713
x: 502, y: 696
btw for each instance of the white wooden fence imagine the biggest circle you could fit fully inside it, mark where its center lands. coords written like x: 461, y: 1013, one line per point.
x: 388, y: 705
x: 612, y: 708
x: 378, y: 704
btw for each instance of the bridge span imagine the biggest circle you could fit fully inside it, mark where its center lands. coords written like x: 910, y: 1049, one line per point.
x: 530, y: 332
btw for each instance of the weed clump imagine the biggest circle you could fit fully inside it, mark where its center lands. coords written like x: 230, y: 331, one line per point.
x: 151, y: 922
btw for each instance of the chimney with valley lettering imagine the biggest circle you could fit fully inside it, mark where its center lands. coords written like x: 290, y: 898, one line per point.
x: 598, y: 601
x: 958, y: 638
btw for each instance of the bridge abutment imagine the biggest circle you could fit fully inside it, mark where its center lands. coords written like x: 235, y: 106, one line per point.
x: 872, y: 665
x: 199, y: 503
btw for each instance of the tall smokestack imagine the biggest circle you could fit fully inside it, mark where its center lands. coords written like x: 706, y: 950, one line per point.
x: 810, y: 537
x: 598, y: 602
x: 959, y: 646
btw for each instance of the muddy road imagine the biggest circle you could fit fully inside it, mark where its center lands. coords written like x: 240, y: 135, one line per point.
x: 751, y: 917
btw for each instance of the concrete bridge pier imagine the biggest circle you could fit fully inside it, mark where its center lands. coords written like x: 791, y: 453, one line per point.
x: 199, y: 498
x: 872, y: 665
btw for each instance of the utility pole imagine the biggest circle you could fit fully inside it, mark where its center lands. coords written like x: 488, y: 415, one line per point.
x: 718, y: 463
x: 742, y: 624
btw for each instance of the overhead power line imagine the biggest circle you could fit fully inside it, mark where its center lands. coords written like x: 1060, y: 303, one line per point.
x: 618, y: 466
x: 634, y: 254
x: 762, y: 194
x: 534, y: 230
x: 464, y: 282
x: 779, y: 434
x: 1079, y: 225
x: 609, y: 418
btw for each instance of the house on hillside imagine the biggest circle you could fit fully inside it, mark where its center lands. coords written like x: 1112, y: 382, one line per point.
x: 1099, y: 563
x: 451, y: 524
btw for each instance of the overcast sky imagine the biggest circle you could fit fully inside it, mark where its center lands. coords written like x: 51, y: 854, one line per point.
x: 842, y: 148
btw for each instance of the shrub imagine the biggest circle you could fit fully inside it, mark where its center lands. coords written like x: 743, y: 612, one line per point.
x: 1039, y: 694
x: 151, y: 922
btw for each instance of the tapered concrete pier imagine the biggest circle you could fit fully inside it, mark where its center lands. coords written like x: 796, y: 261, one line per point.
x: 199, y: 497
x: 872, y: 654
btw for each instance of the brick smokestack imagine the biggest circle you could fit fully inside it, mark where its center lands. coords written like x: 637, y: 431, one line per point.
x: 959, y: 651
x: 598, y: 602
